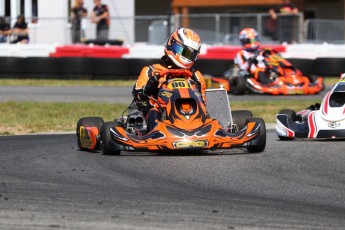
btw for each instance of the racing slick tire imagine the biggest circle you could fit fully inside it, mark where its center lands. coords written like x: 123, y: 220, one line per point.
x: 89, y: 122
x: 106, y: 146
x: 258, y: 144
x: 292, y: 115
x: 239, y: 117
x: 238, y: 85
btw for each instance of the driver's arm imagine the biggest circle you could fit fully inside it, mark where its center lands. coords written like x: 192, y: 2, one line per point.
x: 200, y: 81
x: 141, y: 82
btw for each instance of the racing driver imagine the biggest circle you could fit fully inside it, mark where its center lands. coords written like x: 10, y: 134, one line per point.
x: 181, y: 51
x: 248, y: 60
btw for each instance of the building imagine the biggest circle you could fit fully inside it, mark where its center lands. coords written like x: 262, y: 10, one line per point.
x: 49, y: 19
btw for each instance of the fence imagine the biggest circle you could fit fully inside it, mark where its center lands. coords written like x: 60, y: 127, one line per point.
x: 213, y: 28
x: 321, y: 30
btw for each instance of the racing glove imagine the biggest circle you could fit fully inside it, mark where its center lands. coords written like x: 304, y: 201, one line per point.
x: 151, y: 87
x: 138, y: 95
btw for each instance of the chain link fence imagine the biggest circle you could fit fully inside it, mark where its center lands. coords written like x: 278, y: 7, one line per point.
x: 212, y: 28
x: 322, y: 30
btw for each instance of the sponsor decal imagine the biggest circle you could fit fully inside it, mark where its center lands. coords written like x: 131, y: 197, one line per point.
x: 333, y: 125
x: 295, y: 91
x: 190, y: 144
x: 166, y: 94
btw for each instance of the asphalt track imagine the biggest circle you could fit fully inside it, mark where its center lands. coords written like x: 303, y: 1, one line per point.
x: 108, y: 94
x: 47, y: 183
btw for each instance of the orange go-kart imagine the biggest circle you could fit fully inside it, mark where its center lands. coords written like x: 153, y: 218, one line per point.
x: 186, y: 123
x: 282, y: 78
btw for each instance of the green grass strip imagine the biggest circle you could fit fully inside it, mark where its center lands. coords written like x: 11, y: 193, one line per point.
x: 59, y: 82
x: 37, y: 117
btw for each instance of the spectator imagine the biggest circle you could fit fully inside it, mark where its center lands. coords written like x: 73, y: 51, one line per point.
x: 20, y: 31
x: 286, y: 21
x: 78, y: 13
x: 5, y: 30
x: 100, y: 16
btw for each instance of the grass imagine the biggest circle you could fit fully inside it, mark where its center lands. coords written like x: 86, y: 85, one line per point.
x: 37, y: 117
x: 58, y: 82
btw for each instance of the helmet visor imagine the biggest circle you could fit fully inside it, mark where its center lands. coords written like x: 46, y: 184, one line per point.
x: 184, y: 51
x: 251, y: 41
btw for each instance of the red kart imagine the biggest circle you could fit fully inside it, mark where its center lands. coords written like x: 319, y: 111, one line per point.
x: 283, y: 78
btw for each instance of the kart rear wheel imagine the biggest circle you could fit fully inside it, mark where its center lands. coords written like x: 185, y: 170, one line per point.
x: 258, y: 144
x: 106, y: 146
x: 290, y: 113
x: 238, y: 85
x: 89, y: 122
x: 239, y: 117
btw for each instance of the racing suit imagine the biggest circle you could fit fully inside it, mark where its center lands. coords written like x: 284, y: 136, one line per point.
x: 249, y: 62
x: 148, y: 83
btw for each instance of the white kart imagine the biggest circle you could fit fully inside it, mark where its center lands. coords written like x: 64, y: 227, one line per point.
x: 324, y: 121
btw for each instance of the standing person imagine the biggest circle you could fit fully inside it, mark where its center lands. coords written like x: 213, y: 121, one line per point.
x: 181, y: 51
x: 78, y: 13
x: 20, y: 31
x: 5, y: 30
x: 100, y: 16
x: 286, y: 21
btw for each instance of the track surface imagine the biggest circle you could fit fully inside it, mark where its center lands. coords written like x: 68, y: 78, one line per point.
x: 47, y: 183
x: 108, y: 94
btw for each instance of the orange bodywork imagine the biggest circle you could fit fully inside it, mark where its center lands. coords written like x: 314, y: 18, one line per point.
x: 185, y: 124
x: 290, y: 80
x: 287, y: 86
x: 166, y: 137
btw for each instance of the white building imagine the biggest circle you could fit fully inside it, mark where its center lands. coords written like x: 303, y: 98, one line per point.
x: 53, y: 25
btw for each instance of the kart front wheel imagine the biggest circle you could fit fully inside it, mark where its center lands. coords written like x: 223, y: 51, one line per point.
x: 239, y: 117
x: 88, y: 122
x: 238, y: 85
x: 259, y: 143
x: 290, y: 113
x: 106, y: 145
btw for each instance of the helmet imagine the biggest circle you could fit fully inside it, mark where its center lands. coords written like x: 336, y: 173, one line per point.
x: 249, y: 39
x: 183, y: 47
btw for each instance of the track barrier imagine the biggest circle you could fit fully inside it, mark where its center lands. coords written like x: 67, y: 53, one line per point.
x: 123, y: 68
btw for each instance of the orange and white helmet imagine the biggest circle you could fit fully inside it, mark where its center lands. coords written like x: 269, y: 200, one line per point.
x: 249, y: 39
x: 183, y: 47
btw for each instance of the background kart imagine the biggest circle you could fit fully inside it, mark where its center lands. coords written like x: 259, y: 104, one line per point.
x: 186, y: 124
x: 285, y: 79
x: 317, y: 121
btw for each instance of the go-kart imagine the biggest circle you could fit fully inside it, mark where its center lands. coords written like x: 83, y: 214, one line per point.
x: 282, y: 78
x: 186, y: 123
x: 321, y: 121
